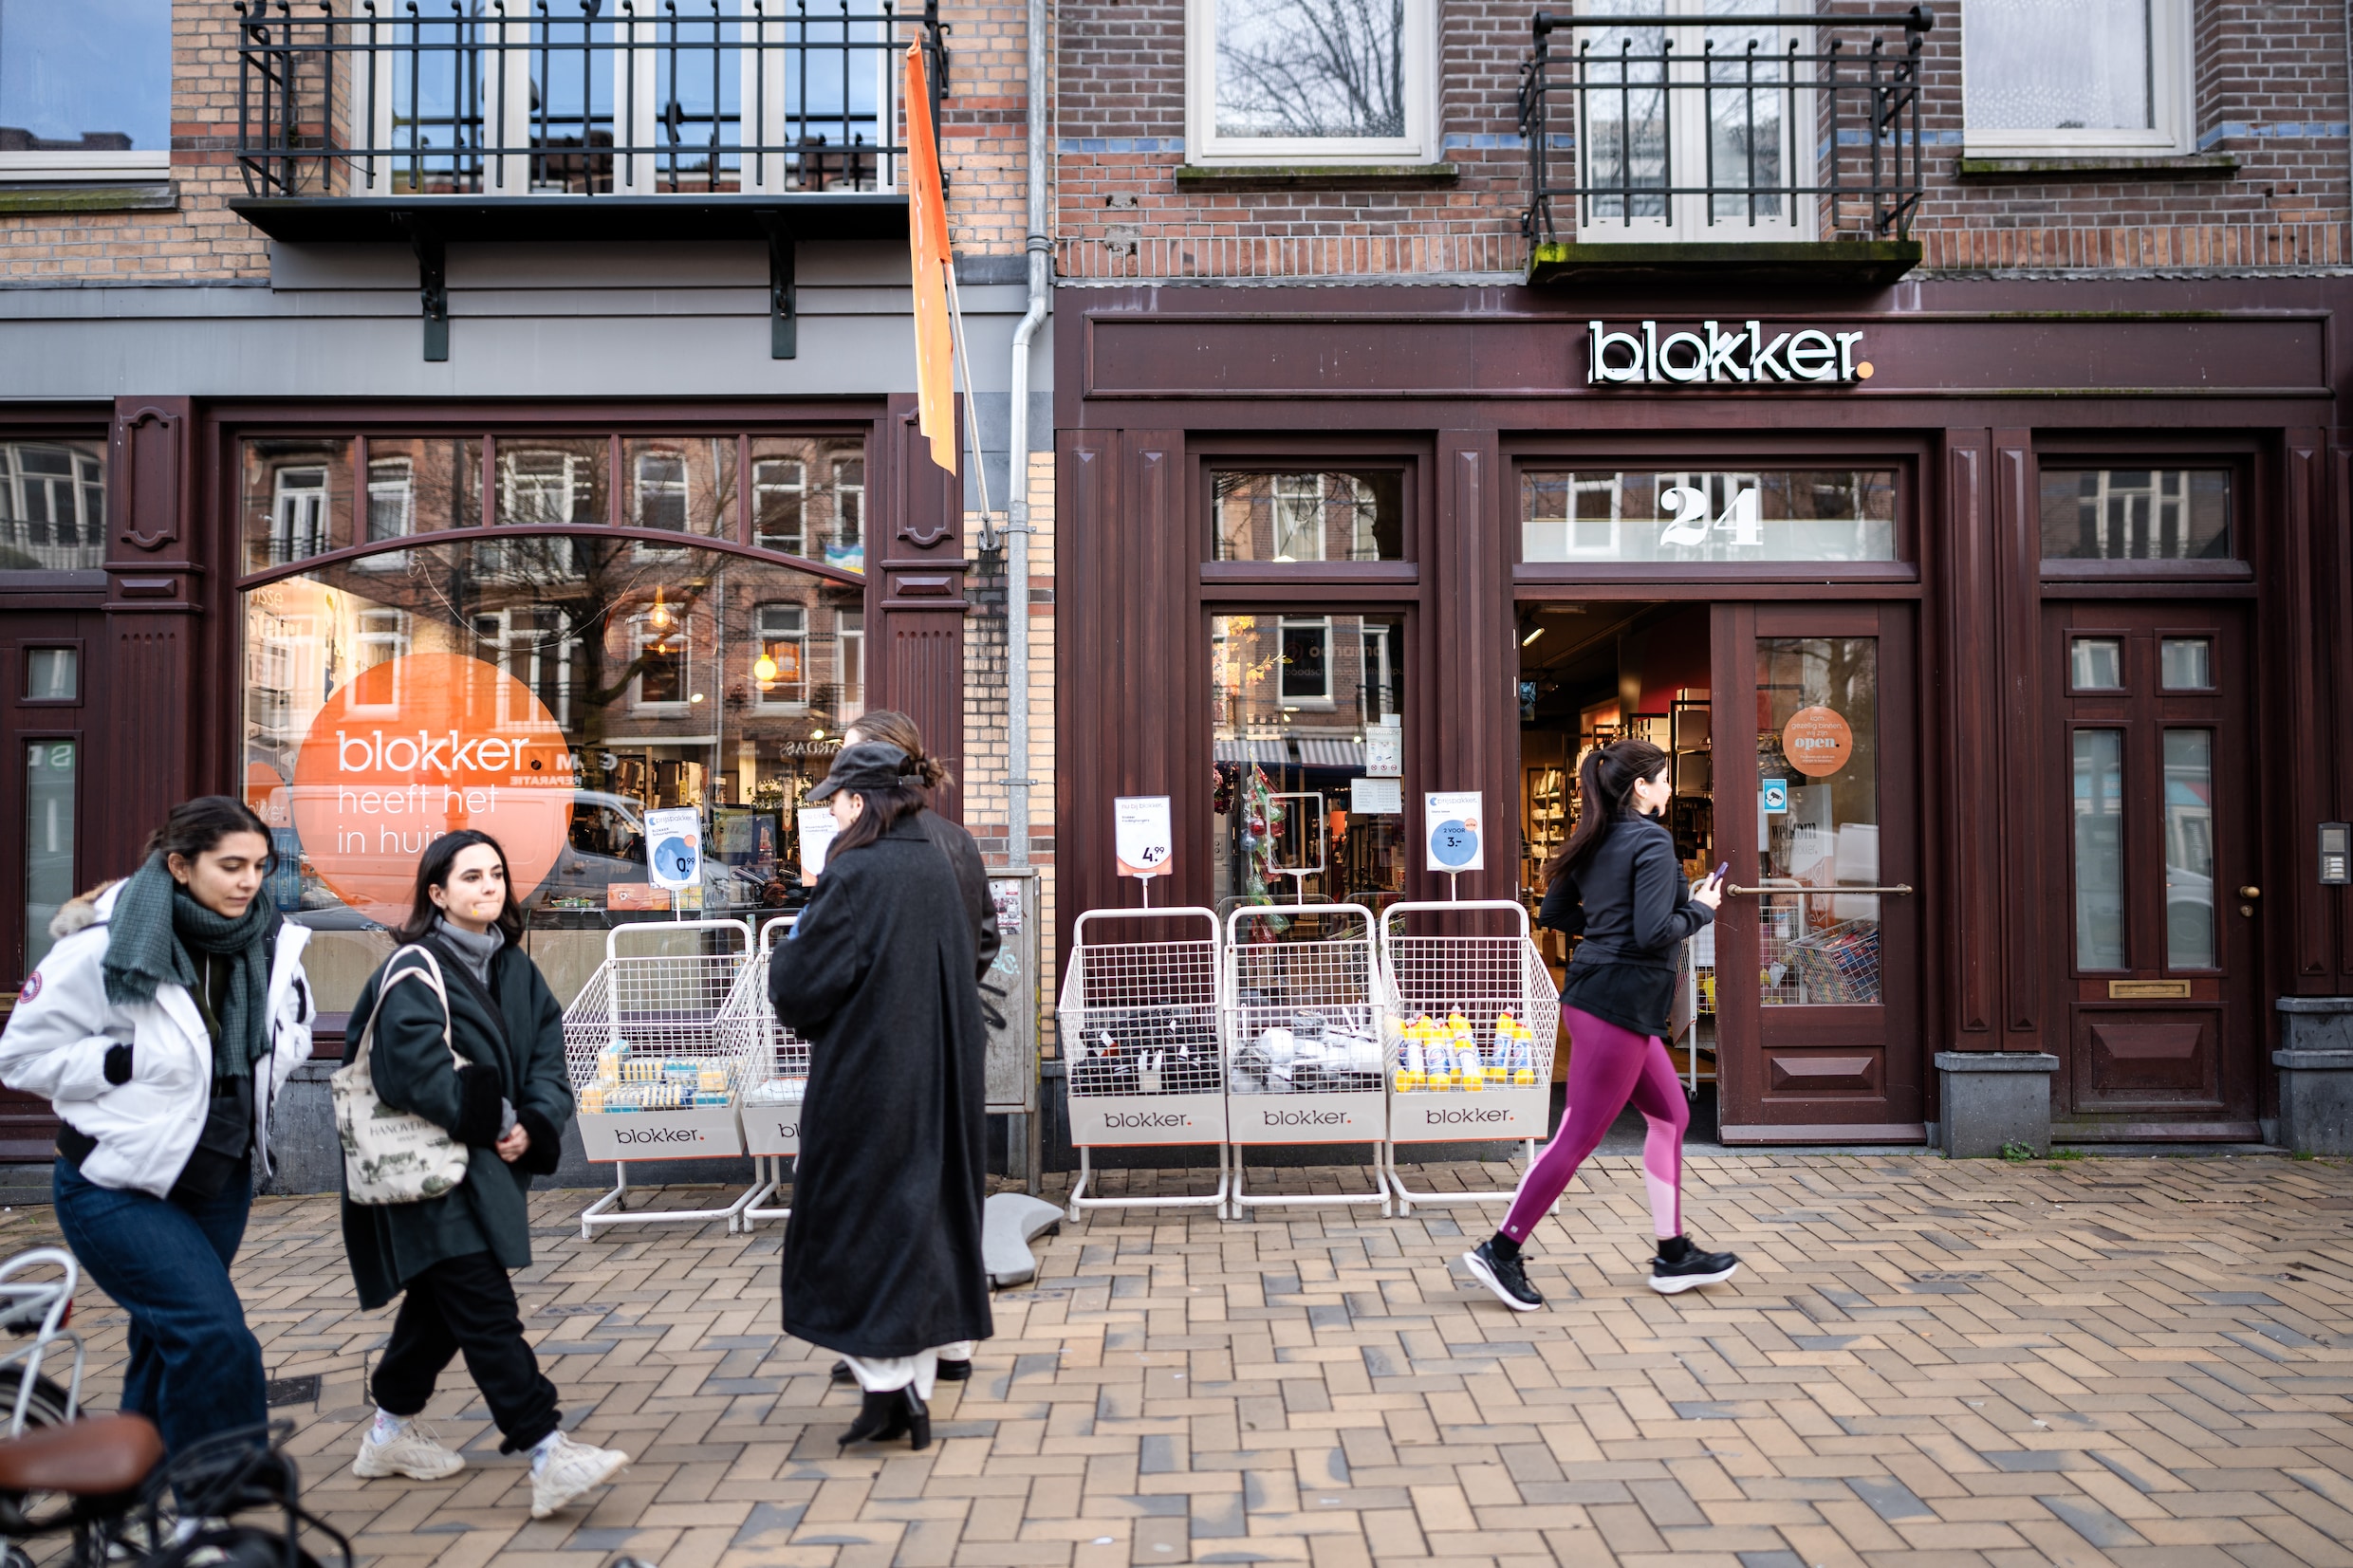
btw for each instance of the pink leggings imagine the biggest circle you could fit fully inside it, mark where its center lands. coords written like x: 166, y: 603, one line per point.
x: 1610, y: 1067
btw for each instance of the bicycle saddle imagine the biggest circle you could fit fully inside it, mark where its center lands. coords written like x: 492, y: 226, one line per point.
x: 87, y: 1458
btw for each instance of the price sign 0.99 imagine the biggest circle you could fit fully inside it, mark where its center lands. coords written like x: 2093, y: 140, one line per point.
x: 1141, y: 836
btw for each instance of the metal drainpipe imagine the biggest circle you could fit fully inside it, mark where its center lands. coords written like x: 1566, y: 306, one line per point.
x: 1017, y: 502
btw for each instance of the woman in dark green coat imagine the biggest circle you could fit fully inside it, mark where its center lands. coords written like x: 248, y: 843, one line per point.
x: 449, y: 1257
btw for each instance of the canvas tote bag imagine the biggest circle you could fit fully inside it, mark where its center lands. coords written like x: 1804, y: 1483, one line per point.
x: 395, y: 1157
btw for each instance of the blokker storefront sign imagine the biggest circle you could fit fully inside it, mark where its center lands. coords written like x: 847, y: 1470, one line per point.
x: 1713, y: 354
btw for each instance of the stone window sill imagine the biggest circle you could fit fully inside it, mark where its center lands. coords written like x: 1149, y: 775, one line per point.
x: 1991, y: 170
x: 142, y: 196
x: 1316, y: 176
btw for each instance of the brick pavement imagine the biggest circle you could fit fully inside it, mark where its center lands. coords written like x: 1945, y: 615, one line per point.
x: 2131, y: 1361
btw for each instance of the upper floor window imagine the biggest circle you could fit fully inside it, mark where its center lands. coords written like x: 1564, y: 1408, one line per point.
x: 1273, y: 81
x: 2061, y: 77
x: 86, y: 89
x: 781, y: 667
x: 1691, y: 132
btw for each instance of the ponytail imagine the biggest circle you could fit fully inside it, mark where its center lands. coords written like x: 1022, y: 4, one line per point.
x: 896, y: 728
x: 1604, y: 782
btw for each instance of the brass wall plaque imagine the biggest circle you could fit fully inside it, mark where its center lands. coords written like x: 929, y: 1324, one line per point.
x: 2148, y: 990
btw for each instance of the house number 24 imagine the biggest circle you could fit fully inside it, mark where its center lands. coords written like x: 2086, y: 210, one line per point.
x: 1688, y: 507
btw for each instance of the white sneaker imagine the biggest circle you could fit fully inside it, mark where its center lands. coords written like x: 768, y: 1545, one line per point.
x: 572, y: 1470
x: 411, y: 1452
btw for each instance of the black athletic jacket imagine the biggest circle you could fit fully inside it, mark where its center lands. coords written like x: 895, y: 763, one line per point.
x: 1629, y: 902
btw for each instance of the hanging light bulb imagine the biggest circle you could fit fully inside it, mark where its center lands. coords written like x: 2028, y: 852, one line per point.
x: 764, y: 668
x: 660, y: 614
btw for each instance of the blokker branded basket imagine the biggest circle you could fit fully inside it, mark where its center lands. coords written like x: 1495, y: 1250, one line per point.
x: 1139, y: 1021
x: 1472, y: 1017
x: 652, y: 1076
x: 775, y: 1066
x: 1303, y: 1011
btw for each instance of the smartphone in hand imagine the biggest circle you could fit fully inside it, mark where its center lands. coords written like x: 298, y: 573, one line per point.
x: 1718, y: 875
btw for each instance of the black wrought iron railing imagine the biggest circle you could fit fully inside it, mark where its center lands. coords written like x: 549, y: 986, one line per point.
x: 415, y: 98
x: 1724, y: 125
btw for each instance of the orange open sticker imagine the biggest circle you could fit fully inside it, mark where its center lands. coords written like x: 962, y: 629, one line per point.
x: 1816, y: 742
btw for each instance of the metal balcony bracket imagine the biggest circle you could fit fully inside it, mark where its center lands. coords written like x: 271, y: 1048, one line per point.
x: 433, y: 286
x: 784, y: 318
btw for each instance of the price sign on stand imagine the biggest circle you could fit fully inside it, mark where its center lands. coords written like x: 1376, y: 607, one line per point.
x: 1141, y: 837
x: 675, y: 850
x: 1454, y: 821
x: 817, y: 829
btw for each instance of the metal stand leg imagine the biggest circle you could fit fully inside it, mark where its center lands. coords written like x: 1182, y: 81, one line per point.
x: 1407, y: 1197
x: 1379, y: 1194
x: 768, y: 1171
x: 607, y: 1210
x: 1079, y: 1202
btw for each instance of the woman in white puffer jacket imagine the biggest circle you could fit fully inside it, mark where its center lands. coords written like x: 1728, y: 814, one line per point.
x: 162, y: 1027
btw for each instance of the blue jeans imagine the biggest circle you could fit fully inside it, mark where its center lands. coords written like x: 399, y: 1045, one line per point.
x: 195, y: 1369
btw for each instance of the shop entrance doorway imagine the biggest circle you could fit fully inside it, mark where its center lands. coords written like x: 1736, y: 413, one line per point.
x: 1791, y: 733
x: 2154, y: 981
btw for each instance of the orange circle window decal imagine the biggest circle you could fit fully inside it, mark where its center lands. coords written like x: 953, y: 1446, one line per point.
x: 1816, y: 742
x: 421, y: 746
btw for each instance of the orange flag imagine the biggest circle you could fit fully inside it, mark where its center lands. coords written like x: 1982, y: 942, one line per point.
x: 927, y: 238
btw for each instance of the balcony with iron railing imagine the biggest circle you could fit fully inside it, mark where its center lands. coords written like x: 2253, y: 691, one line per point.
x: 428, y: 121
x: 1682, y: 142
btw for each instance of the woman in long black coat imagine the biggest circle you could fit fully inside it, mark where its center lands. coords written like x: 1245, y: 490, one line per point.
x: 882, y: 1259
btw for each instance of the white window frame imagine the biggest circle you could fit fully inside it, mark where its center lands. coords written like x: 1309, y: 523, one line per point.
x: 851, y: 627
x: 1420, y: 144
x: 285, y: 501
x: 390, y: 480
x: 769, y: 478
x: 791, y: 625
x: 2171, y: 101
x: 378, y: 636
x: 643, y: 632
x: 1292, y: 497
x: 638, y: 486
x: 1284, y: 626
x: 1686, y: 221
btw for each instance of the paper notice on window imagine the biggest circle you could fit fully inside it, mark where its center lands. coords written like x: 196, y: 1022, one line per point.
x: 1377, y: 797
x: 1384, y: 748
x: 817, y: 829
x: 1141, y: 836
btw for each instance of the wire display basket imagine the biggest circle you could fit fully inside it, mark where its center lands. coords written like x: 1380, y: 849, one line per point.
x: 774, y: 1064
x: 652, y: 1074
x: 1839, y: 964
x: 1302, y: 1010
x: 1138, y: 1018
x: 1472, y: 1019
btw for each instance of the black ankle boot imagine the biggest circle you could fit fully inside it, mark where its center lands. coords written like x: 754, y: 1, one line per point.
x: 916, y: 1419
x: 882, y: 1417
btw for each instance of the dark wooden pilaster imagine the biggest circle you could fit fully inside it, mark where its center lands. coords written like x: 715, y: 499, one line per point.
x: 2016, y: 560
x: 2293, y: 690
x: 916, y: 590
x: 145, y: 745
x: 1965, y: 763
x: 1469, y: 726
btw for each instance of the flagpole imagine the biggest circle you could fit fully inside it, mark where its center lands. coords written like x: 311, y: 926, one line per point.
x: 972, y: 414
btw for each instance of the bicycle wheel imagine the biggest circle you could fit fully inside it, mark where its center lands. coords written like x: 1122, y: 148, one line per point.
x: 45, y: 1405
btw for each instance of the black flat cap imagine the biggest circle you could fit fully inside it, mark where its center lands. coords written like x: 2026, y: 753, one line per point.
x: 869, y: 765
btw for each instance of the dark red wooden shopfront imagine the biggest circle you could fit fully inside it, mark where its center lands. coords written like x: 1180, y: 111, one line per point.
x: 2019, y: 934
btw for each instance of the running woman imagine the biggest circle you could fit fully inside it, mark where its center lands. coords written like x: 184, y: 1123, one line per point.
x: 1616, y: 880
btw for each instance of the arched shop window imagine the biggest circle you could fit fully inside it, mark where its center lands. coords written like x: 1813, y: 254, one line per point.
x: 552, y: 689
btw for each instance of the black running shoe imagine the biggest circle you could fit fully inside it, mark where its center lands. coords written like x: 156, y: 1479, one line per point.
x: 954, y: 1371
x: 1506, y: 1276
x: 1690, y: 1268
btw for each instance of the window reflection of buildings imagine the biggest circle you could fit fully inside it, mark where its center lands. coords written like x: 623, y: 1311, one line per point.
x: 52, y: 507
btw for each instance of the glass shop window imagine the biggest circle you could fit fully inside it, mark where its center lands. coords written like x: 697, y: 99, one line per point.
x: 780, y: 670
x: 1795, y: 514
x: 1308, y: 731
x: 51, y: 768
x: 2137, y: 514
x: 1288, y: 516
x: 52, y: 505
